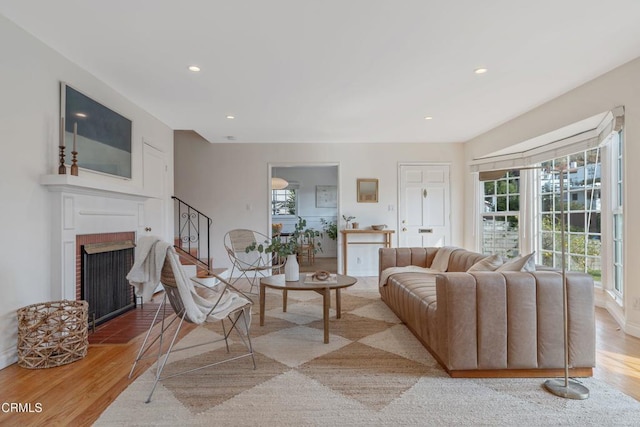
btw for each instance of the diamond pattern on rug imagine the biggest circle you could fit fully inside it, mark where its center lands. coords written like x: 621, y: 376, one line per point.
x: 399, y: 340
x: 295, y: 346
x: 377, y: 310
x: 351, y: 302
x: 371, y: 376
x: 352, y: 327
x: 300, y: 313
x: 271, y: 324
x: 294, y: 340
x: 206, y: 388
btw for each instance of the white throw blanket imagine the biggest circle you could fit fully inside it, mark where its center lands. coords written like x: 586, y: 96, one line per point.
x: 198, y: 308
x: 438, y: 265
x: 387, y: 272
x: 144, y: 276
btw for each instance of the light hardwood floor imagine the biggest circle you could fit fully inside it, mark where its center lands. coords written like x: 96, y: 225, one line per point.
x: 76, y: 394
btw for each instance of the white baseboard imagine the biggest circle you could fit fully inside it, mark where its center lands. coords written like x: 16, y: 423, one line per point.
x: 632, y: 329
x: 608, y: 302
x: 8, y: 357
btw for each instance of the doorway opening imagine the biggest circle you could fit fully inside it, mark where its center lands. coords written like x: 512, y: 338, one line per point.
x: 310, y: 193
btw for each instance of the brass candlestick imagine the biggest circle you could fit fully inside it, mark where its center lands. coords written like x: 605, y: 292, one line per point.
x: 74, y: 153
x: 74, y: 163
x: 62, y: 170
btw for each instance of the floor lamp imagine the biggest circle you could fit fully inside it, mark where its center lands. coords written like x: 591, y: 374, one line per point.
x: 567, y: 388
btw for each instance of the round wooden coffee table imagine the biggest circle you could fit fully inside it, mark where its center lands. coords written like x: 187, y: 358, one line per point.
x: 324, y: 289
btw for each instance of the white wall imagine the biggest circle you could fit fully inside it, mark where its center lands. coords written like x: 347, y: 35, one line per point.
x: 620, y: 87
x: 229, y: 182
x: 29, y: 119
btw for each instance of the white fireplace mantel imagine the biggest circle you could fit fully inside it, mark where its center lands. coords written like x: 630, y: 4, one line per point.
x: 80, y: 185
x: 82, y: 205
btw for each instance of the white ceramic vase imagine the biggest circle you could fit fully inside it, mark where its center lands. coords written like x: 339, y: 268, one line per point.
x: 291, y: 269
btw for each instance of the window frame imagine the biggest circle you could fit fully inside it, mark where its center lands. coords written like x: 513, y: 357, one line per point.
x: 571, y: 166
x: 487, y: 215
x: 274, y: 193
x: 616, y: 163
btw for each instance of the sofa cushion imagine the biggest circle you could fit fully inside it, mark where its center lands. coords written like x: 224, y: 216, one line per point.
x: 460, y: 261
x: 490, y: 263
x: 522, y: 263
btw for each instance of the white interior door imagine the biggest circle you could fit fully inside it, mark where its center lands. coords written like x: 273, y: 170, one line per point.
x: 424, y: 206
x: 154, y: 182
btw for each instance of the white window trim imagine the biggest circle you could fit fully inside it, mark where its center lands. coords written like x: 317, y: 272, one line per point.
x: 609, y: 170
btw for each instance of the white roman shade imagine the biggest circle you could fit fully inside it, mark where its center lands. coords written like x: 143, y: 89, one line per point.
x: 587, y: 134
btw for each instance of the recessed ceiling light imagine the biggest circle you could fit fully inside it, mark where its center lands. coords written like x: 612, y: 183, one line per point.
x: 480, y: 70
x: 428, y: 118
x: 194, y: 68
x: 230, y: 117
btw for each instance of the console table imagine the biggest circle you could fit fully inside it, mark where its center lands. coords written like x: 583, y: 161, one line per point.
x: 386, y: 242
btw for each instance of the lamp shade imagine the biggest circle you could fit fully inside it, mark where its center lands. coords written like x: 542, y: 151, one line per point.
x: 278, y: 183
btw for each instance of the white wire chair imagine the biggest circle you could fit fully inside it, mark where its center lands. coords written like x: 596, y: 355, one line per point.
x: 194, y: 302
x: 250, y: 264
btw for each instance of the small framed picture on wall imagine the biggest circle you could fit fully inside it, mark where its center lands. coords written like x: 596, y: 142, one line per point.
x: 367, y: 190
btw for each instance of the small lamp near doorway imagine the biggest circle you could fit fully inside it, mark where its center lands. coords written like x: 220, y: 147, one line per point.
x: 278, y: 183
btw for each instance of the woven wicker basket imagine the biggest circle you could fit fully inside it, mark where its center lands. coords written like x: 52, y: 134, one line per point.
x: 52, y: 333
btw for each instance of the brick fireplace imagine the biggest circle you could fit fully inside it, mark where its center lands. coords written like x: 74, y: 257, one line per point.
x: 102, y: 262
x: 85, y: 239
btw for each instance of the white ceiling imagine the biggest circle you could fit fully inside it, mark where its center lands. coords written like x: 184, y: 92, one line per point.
x: 337, y: 70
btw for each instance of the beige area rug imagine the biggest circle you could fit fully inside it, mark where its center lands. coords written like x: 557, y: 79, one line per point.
x: 372, y: 373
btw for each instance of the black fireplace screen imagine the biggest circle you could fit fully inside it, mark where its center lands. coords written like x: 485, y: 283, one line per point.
x: 104, y: 283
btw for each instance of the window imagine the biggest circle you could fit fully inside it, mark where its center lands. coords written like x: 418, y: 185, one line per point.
x: 284, y: 202
x: 581, y: 182
x: 501, y: 215
x: 617, y: 213
x: 590, y: 155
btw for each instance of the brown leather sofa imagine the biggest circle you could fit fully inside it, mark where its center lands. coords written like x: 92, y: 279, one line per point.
x: 489, y: 323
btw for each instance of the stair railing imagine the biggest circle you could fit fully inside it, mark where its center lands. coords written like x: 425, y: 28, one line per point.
x: 193, y: 230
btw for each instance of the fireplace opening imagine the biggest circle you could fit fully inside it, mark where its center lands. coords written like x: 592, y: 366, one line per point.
x: 104, y: 267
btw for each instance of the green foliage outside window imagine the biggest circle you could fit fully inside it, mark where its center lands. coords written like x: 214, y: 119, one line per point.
x: 283, y: 202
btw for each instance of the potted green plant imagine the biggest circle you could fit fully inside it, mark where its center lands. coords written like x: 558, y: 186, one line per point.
x: 288, y: 249
x: 331, y: 228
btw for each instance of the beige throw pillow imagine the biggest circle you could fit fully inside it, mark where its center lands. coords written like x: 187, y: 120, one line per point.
x: 522, y: 263
x: 490, y: 263
x: 441, y: 259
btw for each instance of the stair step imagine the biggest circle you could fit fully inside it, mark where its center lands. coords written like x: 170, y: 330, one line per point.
x: 191, y: 251
x: 202, y: 271
x: 220, y: 271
